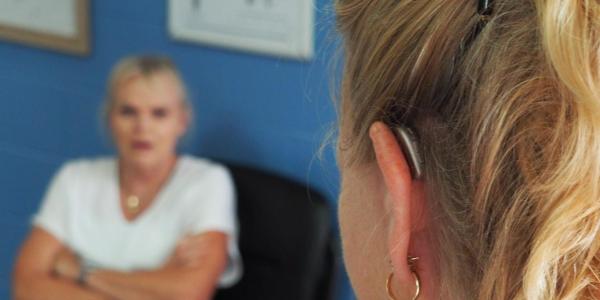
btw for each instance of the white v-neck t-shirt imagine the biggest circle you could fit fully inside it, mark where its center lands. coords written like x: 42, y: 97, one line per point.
x: 81, y: 208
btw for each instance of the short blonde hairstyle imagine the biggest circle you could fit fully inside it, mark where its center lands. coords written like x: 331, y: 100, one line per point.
x: 509, y: 127
x: 145, y: 66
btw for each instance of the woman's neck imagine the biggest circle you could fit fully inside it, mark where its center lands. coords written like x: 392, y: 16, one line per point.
x: 135, y: 177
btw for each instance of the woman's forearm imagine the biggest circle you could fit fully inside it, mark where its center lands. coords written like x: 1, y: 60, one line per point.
x: 46, y: 287
x: 34, y: 275
x: 192, y: 273
x: 164, y: 284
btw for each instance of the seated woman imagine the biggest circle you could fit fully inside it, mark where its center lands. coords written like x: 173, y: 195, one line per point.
x: 148, y: 224
x: 470, y: 149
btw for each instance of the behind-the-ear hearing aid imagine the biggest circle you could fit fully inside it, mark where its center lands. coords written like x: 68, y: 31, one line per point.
x: 408, y: 143
x: 485, y: 7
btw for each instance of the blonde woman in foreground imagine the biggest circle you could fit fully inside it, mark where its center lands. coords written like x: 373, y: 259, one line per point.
x: 470, y: 148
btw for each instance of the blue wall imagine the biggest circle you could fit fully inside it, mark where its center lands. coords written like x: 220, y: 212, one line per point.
x: 256, y: 110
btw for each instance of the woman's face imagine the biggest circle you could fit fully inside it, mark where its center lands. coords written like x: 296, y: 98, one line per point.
x: 362, y: 222
x: 148, y: 118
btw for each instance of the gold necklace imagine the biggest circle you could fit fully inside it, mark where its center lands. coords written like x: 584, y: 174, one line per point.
x: 132, y: 203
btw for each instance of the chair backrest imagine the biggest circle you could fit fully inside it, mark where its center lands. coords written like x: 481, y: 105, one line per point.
x: 285, y: 240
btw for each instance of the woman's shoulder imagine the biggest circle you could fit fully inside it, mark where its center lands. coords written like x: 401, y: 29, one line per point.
x: 201, y: 168
x: 85, y: 167
x: 201, y: 178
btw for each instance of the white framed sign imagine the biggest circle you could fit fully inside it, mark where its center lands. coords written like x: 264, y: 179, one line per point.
x: 61, y: 25
x: 277, y: 27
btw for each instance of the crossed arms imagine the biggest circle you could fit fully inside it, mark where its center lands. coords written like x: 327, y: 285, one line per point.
x: 47, y: 269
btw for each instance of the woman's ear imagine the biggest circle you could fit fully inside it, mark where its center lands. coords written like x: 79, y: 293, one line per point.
x: 405, y: 199
x: 185, y: 121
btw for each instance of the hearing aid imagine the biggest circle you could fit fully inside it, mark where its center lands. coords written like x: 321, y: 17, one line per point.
x: 485, y: 7
x: 409, y: 145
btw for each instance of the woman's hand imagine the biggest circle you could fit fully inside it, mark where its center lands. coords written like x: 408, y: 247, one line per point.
x: 42, y: 263
x: 67, y: 264
x: 189, y: 252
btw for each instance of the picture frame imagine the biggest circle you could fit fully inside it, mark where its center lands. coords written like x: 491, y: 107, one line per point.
x: 280, y: 28
x: 59, y: 25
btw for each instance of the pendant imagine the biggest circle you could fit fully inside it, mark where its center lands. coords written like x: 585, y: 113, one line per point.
x: 133, y: 203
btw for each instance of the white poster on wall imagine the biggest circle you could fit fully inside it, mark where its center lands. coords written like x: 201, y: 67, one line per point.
x: 56, y: 17
x: 277, y: 27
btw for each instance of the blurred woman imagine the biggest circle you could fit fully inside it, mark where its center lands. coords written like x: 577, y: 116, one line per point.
x: 148, y: 224
x: 470, y: 148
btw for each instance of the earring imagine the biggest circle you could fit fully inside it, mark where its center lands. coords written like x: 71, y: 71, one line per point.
x: 388, y: 283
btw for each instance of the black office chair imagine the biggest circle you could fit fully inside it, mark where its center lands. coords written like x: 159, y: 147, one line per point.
x: 285, y: 240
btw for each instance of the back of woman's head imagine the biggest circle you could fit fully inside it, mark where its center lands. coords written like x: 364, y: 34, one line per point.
x: 507, y: 115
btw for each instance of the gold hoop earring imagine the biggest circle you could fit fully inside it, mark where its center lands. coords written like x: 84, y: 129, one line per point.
x: 388, y: 283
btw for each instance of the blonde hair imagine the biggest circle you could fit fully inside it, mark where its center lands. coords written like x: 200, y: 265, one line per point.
x: 145, y: 66
x: 508, y: 120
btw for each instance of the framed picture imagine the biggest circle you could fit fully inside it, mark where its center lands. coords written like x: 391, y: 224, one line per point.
x: 61, y: 25
x: 281, y: 28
